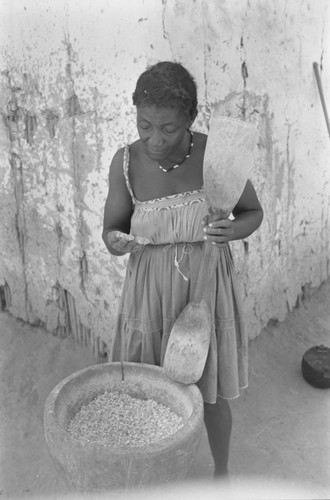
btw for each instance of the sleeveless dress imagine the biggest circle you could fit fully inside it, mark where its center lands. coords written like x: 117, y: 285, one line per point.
x: 159, y: 283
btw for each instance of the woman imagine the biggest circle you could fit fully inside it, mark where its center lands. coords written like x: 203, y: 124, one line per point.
x: 156, y: 211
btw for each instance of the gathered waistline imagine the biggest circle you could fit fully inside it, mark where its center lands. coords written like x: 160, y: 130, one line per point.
x: 178, y: 243
x: 181, y: 249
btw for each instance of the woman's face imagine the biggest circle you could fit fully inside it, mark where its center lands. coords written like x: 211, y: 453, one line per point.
x: 161, y: 130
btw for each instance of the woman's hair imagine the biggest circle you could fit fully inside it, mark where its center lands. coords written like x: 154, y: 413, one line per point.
x: 167, y: 84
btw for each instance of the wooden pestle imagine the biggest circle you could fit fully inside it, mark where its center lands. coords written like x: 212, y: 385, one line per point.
x: 228, y: 159
x: 207, y: 266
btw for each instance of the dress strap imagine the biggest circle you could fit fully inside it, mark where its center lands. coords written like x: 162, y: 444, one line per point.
x: 126, y: 172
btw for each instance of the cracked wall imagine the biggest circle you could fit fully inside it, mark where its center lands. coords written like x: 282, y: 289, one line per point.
x: 68, y: 70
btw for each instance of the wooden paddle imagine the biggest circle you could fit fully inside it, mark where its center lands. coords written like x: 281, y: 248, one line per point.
x: 228, y: 160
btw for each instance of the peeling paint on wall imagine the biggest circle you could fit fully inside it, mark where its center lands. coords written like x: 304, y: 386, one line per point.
x: 66, y: 83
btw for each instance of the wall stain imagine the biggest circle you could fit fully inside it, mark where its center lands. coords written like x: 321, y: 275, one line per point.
x: 83, y: 271
x: 59, y: 232
x: 11, y: 119
x: 52, y: 119
x: 30, y: 127
x: 73, y: 105
x: 73, y: 110
x: 17, y: 175
x: 5, y: 296
x: 244, y: 73
x: 165, y: 33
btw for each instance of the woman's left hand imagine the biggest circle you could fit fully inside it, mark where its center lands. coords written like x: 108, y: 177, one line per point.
x: 218, y: 232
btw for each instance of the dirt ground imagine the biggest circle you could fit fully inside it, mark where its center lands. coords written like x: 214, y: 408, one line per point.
x: 281, y: 432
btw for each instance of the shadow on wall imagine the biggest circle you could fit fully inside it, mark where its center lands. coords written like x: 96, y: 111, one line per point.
x: 62, y: 319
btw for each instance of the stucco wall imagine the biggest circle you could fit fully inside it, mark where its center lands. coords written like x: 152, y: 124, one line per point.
x: 68, y: 69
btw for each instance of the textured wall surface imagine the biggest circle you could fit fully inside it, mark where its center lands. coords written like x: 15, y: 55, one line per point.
x: 68, y: 69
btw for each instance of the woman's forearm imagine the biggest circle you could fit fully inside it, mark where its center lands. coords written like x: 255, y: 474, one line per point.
x: 112, y: 250
x: 245, y: 223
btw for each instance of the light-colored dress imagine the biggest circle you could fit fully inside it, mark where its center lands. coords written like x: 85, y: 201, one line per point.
x: 159, y: 283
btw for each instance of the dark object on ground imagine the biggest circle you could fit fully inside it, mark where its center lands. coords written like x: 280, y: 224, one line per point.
x: 316, y: 366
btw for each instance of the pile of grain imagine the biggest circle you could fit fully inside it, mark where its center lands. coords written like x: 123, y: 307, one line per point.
x: 118, y: 419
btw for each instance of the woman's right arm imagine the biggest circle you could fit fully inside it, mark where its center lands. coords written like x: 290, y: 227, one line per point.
x: 118, y: 206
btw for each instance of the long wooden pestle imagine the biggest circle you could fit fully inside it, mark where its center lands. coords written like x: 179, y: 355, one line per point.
x: 228, y: 160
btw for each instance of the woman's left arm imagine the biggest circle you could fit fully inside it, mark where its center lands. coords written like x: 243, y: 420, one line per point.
x: 248, y: 215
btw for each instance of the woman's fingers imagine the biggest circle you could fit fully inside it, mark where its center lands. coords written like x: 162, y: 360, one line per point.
x: 219, y: 232
x: 220, y: 223
x: 125, y: 243
x: 205, y: 220
x: 117, y: 241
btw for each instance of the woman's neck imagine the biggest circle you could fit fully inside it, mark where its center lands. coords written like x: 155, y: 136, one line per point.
x: 178, y: 156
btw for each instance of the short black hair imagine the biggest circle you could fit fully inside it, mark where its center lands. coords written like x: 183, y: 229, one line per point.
x: 167, y: 84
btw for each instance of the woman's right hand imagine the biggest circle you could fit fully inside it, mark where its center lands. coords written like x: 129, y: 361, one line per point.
x: 126, y: 243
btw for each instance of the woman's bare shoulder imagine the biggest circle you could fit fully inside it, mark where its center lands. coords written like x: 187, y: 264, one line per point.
x: 199, y: 146
x: 116, y: 165
x: 135, y: 144
x: 200, y: 135
x: 200, y: 139
x: 135, y: 148
x: 118, y: 156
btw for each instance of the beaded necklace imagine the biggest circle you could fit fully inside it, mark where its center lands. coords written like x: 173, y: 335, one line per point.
x: 166, y: 170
